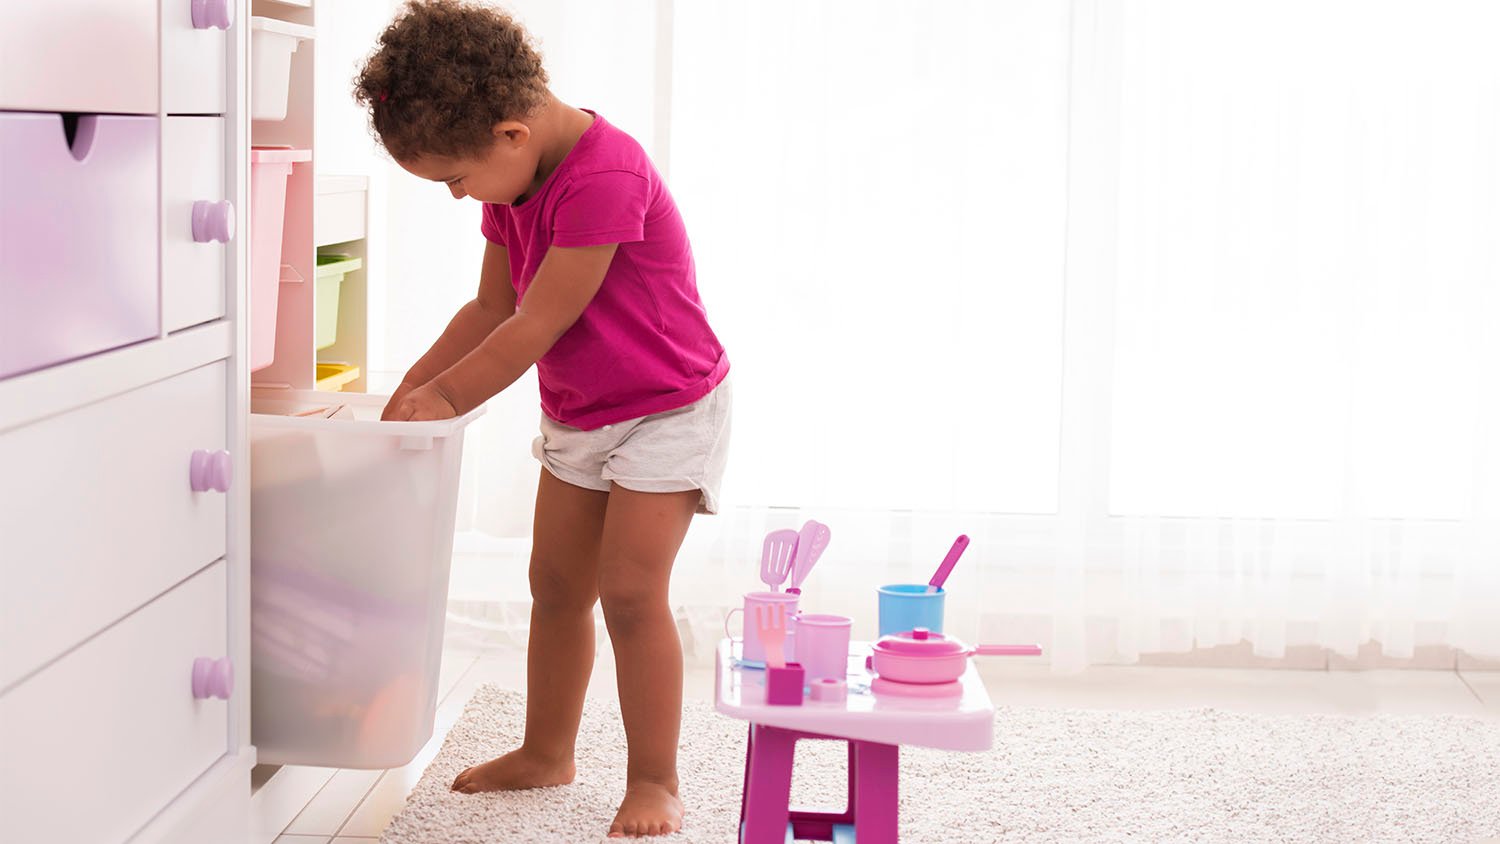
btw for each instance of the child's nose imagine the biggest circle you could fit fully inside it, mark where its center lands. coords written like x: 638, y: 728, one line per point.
x: 458, y: 191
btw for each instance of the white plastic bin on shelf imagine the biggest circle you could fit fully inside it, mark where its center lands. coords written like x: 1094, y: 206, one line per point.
x: 351, y: 541
x: 272, y: 43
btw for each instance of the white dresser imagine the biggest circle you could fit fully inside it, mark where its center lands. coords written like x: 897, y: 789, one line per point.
x: 124, y: 564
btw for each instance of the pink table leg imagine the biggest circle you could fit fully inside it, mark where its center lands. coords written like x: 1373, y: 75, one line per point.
x: 874, y: 771
x: 764, y: 811
x: 873, y: 795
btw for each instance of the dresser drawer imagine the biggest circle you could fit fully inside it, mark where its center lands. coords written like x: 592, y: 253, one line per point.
x: 193, y: 50
x: 79, y: 55
x: 79, y: 226
x: 196, y: 221
x: 100, y: 515
x: 104, y: 738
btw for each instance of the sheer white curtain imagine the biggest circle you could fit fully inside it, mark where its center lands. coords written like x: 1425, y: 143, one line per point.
x: 1302, y: 410
x: 1181, y: 310
x: 1178, y: 308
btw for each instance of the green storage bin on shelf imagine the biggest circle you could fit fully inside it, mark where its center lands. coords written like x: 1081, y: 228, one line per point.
x: 331, y: 271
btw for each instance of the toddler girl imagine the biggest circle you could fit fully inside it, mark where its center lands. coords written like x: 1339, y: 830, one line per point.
x: 588, y: 275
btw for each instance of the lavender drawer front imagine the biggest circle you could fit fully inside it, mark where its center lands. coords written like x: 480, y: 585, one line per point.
x: 79, y: 237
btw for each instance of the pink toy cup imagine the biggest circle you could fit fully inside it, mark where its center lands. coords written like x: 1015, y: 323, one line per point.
x: 823, y: 645
x: 753, y: 652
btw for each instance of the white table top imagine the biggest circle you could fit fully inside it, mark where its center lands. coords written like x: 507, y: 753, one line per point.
x: 961, y: 722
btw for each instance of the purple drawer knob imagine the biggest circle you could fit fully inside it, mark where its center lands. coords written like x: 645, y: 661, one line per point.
x: 213, y: 678
x: 211, y: 470
x: 213, y: 220
x: 213, y: 14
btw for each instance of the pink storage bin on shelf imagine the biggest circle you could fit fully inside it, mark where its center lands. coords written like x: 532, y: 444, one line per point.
x: 79, y: 237
x: 269, y: 169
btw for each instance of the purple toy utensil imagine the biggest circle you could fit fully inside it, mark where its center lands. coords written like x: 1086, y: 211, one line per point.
x: 810, y: 545
x: 949, y: 561
x: 776, y: 557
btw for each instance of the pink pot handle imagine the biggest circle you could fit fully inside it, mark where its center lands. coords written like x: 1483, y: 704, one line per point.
x: 213, y: 678
x: 1008, y: 650
x: 210, y: 470
x: 213, y: 14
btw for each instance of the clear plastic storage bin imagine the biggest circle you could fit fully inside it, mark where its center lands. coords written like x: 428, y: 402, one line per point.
x: 351, y: 543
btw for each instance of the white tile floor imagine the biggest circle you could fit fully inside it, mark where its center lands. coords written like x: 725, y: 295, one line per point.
x: 325, y: 806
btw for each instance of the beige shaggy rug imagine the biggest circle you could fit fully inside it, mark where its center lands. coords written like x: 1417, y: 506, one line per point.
x: 1054, y: 775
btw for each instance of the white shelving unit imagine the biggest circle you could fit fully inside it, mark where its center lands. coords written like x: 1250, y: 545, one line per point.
x: 294, y: 362
x: 323, y: 213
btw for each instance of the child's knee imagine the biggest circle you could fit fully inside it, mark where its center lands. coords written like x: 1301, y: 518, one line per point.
x: 558, y: 590
x: 629, y: 600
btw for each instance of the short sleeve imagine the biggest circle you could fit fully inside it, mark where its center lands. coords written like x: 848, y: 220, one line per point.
x: 489, y: 224
x: 600, y: 208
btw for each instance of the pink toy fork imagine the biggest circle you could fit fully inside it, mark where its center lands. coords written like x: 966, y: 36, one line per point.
x: 770, y: 623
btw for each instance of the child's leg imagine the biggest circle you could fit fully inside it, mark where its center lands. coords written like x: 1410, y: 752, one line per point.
x: 642, y: 532
x: 560, y: 651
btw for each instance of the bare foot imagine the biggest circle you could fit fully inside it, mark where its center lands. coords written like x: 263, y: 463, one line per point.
x: 515, y: 770
x: 649, y: 808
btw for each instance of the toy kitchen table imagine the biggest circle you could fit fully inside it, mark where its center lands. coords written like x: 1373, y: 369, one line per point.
x: 874, y: 726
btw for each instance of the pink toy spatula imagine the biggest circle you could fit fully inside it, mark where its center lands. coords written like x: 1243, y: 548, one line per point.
x: 776, y: 557
x: 949, y: 561
x: 810, y: 546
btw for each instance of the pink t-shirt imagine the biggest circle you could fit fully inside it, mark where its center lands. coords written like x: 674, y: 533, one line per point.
x: 643, y: 344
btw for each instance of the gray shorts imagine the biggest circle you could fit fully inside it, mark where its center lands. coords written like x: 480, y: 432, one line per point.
x: 672, y: 451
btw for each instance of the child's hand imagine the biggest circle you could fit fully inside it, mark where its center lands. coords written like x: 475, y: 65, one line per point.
x: 394, y: 402
x: 420, y: 405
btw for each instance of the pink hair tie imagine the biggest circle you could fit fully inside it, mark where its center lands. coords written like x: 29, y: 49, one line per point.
x: 383, y: 95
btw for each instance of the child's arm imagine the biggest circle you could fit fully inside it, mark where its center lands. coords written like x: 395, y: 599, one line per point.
x: 564, y: 285
x: 495, y: 303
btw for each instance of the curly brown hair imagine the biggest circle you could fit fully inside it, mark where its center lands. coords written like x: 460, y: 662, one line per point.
x: 445, y: 72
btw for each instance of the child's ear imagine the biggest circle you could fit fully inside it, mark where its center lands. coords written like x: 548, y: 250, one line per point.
x: 512, y: 132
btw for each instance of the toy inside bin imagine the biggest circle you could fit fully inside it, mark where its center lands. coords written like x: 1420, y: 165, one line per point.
x: 351, y: 541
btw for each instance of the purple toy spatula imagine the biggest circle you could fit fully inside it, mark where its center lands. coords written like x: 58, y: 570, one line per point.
x: 949, y: 561
x: 776, y: 557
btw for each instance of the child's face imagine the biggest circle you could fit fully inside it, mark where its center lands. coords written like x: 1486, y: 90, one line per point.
x: 502, y: 174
